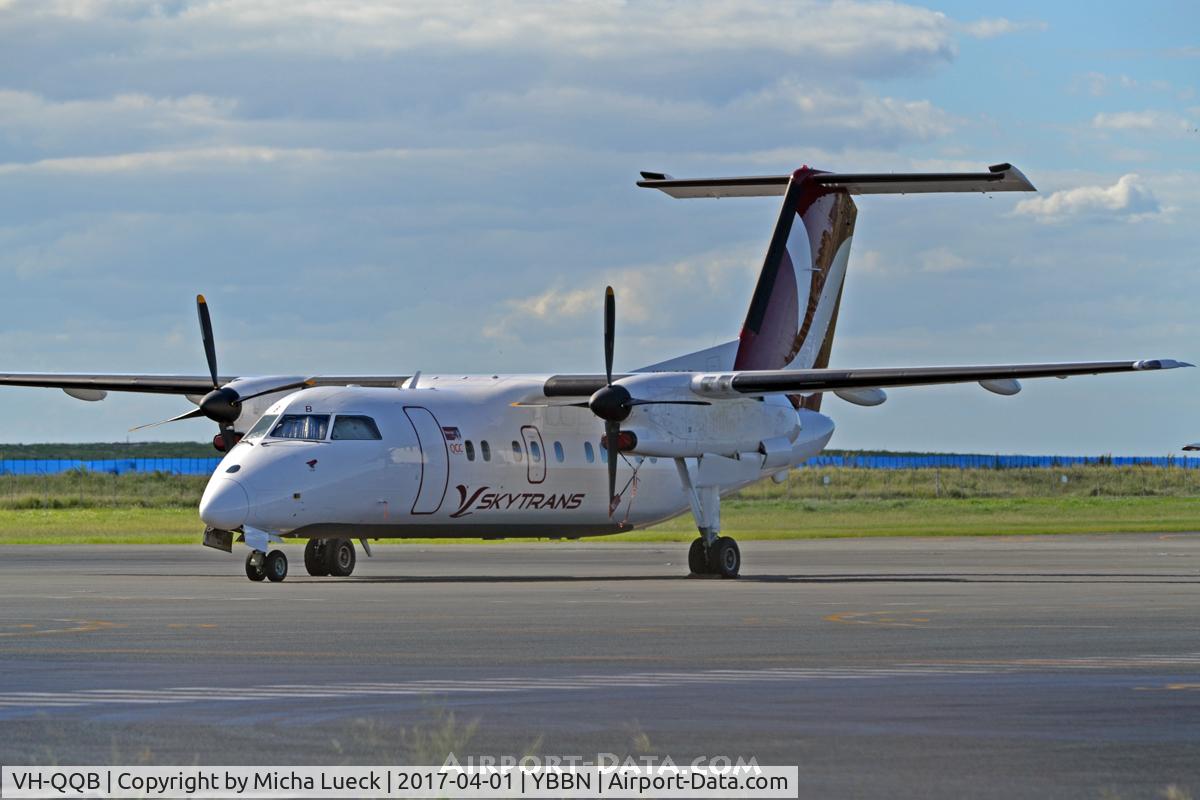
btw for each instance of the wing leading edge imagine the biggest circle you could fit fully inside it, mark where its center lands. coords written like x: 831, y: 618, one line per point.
x: 804, y: 381
x: 818, y: 380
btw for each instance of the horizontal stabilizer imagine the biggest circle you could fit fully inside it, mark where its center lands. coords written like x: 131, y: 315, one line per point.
x: 998, y: 178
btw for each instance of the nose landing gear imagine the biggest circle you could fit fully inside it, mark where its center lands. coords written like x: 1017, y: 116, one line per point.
x: 255, y: 569
x: 272, y: 566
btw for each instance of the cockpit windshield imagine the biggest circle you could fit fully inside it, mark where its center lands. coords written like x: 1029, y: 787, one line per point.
x: 353, y: 426
x: 262, y: 426
x: 302, y: 426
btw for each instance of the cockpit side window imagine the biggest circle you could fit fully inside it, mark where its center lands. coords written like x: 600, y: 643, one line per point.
x: 262, y: 426
x: 302, y: 426
x: 347, y: 426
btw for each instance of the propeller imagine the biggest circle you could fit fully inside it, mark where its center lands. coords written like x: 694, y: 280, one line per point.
x: 613, y: 403
x: 223, y: 404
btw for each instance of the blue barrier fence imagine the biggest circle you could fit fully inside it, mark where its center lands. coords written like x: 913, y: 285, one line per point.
x: 116, y: 466
x: 976, y: 461
x: 205, y: 466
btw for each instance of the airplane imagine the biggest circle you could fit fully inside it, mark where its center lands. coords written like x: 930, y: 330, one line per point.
x: 331, y: 458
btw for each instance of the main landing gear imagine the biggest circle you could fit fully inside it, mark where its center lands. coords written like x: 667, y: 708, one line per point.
x: 334, y: 557
x: 721, y: 557
x: 711, y: 553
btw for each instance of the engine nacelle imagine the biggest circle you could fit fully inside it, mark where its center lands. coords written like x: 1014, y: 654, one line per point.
x: 90, y: 395
x: 863, y: 397
x: 776, y: 453
x: 1004, y: 386
x: 722, y: 427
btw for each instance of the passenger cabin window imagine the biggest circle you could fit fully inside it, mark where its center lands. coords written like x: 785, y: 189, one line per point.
x: 262, y: 426
x: 558, y: 452
x: 518, y: 456
x: 348, y: 426
x: 470, y: 448
x: 535, y: 452
x: 302, y: 426
x: 485, y: 449
x: 588, y: 452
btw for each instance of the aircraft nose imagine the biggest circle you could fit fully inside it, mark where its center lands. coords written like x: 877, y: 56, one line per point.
x: 225, y: 504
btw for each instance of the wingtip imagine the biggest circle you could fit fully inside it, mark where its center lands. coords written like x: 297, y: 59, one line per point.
x: 1161, y: 363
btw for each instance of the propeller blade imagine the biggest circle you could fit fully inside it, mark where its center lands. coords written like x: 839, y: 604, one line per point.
x: 667, y: 403
x: 206, y: 332
x: 227, y: 438
x: 612, y: 430
x: 193, y: 414
x: 548, y: 404
x: 610, y: 325
x: 274, y: 389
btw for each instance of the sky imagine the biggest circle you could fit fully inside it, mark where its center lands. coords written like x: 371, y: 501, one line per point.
x: 448, y: 186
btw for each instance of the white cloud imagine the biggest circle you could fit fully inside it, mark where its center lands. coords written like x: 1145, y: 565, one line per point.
x: 1143, y: 122
x: 867, y: 118
x: 1128, y: 199
x: 853, y: 29
x: 942, y: 259
x: 998, y: 26
x: 185, y: 159
x: 657, y: 293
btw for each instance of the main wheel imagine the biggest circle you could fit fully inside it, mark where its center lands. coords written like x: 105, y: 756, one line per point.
x: 275, y: 566
x: 724, y: 558
x: 314, y: 557
x: 340, y: 557
x: 698, y: 558
x: 254, y: 566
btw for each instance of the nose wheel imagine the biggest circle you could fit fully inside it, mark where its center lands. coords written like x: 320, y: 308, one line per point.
x: 272, y: 566
x: 255, y: 569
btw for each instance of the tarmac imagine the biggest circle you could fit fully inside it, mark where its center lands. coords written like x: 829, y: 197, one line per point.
x: 1061, y: 666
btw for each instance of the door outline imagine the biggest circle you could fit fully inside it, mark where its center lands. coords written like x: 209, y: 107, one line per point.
x: 421, y: 445
x: 530, y: 434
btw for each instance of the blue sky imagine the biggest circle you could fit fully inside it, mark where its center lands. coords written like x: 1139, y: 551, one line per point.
x: 448, y: 187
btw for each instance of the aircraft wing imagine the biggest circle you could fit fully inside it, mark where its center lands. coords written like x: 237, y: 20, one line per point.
x: 803, y: 381
x: 755, y: 382
x: 173, y: 384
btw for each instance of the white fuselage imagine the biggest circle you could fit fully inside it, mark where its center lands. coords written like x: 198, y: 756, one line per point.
x: 456, y: 458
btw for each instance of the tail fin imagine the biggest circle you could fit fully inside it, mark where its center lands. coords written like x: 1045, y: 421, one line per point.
x: 794, y: 309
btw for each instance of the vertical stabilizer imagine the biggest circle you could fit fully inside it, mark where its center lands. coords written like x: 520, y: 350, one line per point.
x: 793, y: 311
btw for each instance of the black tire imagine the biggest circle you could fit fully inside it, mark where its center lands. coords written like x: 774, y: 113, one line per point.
x: 314, y: 557
x: 275, y: 565
x: 340, y: 557
x: 254, y: 567
x: 725, y: 559
x: 698, y: 558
